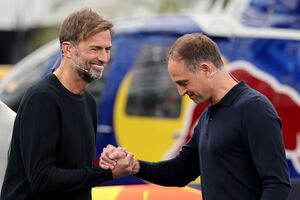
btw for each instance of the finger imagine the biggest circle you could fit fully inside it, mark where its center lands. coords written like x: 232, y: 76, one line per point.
x: 118, y: 154
x: 122, y: 148
x: 109, y: 149
x: 132, y: 160
x: 110, y: 146
x: 105, y: 165
x: 106, y: 159
x: 129, y: 162
x: 129, y: 157
x: 135, y: 167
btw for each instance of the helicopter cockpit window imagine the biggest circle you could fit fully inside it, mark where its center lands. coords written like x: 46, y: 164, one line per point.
x: 14, y: 86
x: 152, y: 93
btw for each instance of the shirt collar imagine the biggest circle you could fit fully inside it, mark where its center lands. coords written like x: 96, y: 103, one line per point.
x: 230, y: 96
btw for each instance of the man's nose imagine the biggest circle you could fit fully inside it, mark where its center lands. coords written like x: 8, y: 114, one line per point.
x: 181, y: 90
x: 104, y: 56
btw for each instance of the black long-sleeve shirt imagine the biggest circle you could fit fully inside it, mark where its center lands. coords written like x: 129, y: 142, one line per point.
x: 53, y: 146
x: 237, y: 148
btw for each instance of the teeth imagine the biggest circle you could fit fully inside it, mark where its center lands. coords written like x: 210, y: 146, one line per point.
x: 98, y: 66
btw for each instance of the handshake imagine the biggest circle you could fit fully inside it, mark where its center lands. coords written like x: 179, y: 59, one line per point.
x: 121, y: 162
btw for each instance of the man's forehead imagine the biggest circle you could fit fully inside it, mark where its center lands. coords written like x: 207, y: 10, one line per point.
x: 176, y: 65
x: 98, y: 41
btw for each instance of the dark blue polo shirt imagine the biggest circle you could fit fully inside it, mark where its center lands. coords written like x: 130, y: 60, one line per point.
x: 241, y: 148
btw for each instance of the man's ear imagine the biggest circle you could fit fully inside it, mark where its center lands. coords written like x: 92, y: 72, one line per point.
x: 66, y: 49
x: 206, y: 68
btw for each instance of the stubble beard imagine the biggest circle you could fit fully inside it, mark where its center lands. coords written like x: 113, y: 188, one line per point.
x: 87, y: 74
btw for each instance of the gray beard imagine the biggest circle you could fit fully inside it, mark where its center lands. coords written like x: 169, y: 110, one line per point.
x: 85, y: 75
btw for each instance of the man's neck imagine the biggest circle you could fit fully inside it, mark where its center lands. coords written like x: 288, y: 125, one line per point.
x: 70, y: 80
x: 223, y: 83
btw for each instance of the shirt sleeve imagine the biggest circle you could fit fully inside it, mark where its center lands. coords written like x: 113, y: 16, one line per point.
x: 178, y: 171
x: 39, y: 135
x: 261, y: 131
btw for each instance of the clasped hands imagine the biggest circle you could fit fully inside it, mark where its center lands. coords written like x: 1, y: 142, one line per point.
x: 121, y: 162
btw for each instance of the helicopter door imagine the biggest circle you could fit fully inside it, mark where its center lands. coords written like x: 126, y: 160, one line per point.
x: 148, y: 109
